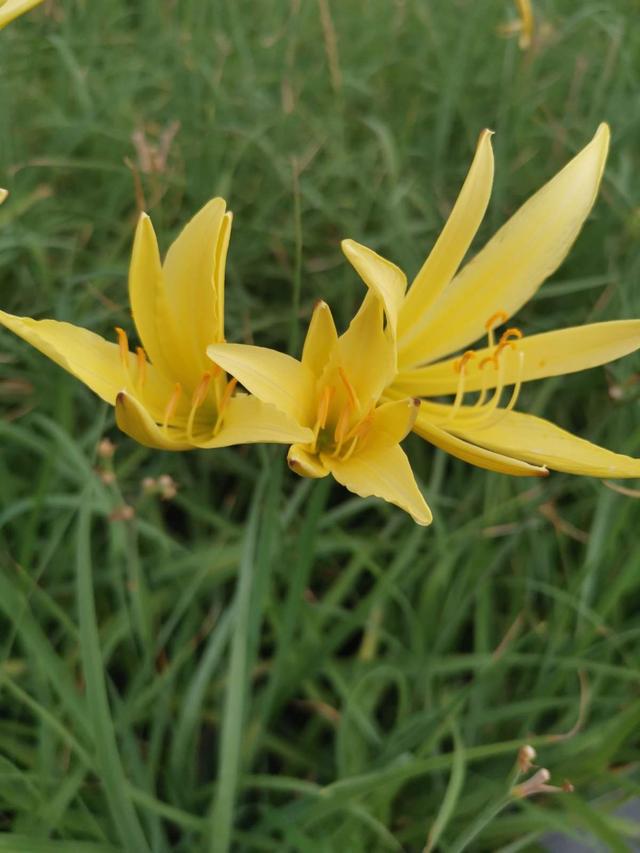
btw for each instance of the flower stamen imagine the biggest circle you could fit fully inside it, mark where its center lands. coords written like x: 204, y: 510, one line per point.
x: 123, y: 345
x: 353, y: 398
x: 198, y: 398
x: 494, y: 320
x: 172, y: 405
x: 141, y: 360
x: 460, y: 367
x: 224, y: 402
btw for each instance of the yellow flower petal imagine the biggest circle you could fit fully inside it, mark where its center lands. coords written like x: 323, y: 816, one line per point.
x: 365, y: 353
x: 385, y: 279
x: 391, y: 422
x: 548, y: 354
x: 448, y: 252
x: 134, y: 420
x: 304, y: 463
x: 384, y: 473
x: 247, y: 420
x: 193, y: 268
x: 272, y: 376
x: 87, y: 356
x: 320, y: 340
x: 3, y: 194
x: 149, y: 304
x: 11, y: 9
x: 514, y: 263
x: 469, y: 452
x: 541, y: 442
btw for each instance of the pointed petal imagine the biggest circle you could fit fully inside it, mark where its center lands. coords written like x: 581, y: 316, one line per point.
x: 87, y: 356
x: 304, y: 463
x: 148, y: 302
x: 385, y: 279
x: 450, y: 248
x: 272, y: 376
x: 366, y: 353
x: 548, y: 354
x: 392, y: 422
x: 247, y: 421
x: 11, y: 9
x: 522, y: 254
x: 384, y: 473
x: 470, y: 452
x: 320, y: 340
x: 135, y: 421
x: 191, y: 274
x: 3, y: 194
x: 222, y: 248
x: 541, y: 442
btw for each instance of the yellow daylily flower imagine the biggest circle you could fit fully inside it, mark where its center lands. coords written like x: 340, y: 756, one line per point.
x: 11, y: 9
x: 446, y: 310
x: 167, y: 394
x: 335, y: 392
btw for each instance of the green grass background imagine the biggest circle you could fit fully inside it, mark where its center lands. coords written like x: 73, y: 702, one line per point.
x: 263, y: 662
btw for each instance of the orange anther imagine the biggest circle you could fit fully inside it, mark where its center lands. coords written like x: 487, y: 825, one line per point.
x: 496, y: 320
x: 460, y: 364
x: 323, y: 406
x: 200, y: 393
x: 172, y: 405
x: 511, y: 333
x: 350, y: 390
x: 142, y: 366
x: 490, y: 359
x: 342, y: 427
x: 228, y: 391
x: 123, y: 343
x: 502, y: 346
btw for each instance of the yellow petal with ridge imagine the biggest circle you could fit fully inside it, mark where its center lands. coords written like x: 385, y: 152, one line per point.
x: 193, y: 269
x: 384, y: 473
x: 247, y: 420
x: 392, y: 422
x: 522, y: 254
x: 469, y: 452
x: 450, y: 248
x: 149, y: 304
x: 305, y: 464
x: 272, y: 376
x: 553, y: 353
x: 11, y: 9
x: 382, y: 277
x: 87, y: 356
x: 366, y: 353
x: 136, y: 422
x: 543, y: 443
x: 320, y: 340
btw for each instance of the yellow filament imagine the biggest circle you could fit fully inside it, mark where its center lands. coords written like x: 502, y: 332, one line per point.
x: 460, y: 367
x: 342, y: 428
x: 350, y: 390
x: 198, y: 398
x: 224, y: 402
x: 172, y: 405
x: 494, y: 320
x: 142, y: 367
x: 123, y: 344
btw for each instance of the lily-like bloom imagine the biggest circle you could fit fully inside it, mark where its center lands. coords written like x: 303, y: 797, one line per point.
x: 167, y: 393
x: 446, y: 310
x: 11, y: 9
x: 335, y: 392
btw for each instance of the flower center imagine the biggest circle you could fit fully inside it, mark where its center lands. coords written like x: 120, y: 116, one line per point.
x: 348, y: 429
x: 223, y: 388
